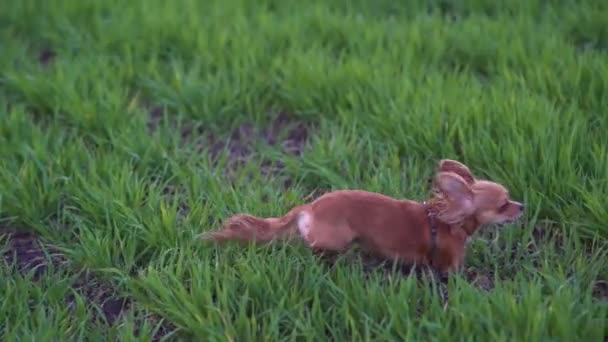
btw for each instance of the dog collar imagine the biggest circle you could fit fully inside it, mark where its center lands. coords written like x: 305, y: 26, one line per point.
x: 433, y: 224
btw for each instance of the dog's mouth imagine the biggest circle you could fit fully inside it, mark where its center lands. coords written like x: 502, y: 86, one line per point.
x: 508, y: 222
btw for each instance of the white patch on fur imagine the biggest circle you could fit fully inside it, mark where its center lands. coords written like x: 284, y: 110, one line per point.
x: 304, y: 222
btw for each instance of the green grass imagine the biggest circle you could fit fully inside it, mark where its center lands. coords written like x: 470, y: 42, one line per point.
x: 516, y: 90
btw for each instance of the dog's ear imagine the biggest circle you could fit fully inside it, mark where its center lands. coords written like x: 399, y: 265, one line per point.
x: 454, y: 186
x: 459, y: 197
x: 448, y: 165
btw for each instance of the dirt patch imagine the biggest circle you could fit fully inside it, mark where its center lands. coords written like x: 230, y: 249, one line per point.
x: 155, y: 117
x: 284, y: 130
x: 544, y: 232
x: 46, y: 56
x: 25, y: 250
x: 483, y: 280
x: 163, y: 328
x: 100, y: 295
x: 600, y: 290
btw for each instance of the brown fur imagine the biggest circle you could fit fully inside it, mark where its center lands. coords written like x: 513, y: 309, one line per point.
x: 391, y: 228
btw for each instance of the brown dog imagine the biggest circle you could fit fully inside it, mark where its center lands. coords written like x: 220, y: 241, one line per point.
x: 432, y: 233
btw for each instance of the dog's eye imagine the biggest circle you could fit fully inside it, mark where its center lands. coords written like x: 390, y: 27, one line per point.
x: 503, y: 207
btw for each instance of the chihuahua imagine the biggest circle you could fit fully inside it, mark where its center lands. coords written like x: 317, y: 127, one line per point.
x: 433, y: 233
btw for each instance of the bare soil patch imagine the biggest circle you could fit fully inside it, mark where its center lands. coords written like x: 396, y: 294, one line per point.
x: 100, y: 295
x: 285, y: 130
x: 25, y: 250
x: 600, y: 290
x: 46, y: 56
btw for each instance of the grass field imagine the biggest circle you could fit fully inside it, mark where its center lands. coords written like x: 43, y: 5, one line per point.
x: 128, y: 128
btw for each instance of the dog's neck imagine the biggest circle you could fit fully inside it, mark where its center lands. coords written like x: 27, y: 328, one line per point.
x: 434, y: 230
x: 467, y: 225
x: 436, y: 204
x: 462, y: 231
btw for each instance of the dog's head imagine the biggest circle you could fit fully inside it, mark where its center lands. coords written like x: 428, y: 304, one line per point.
x: 466, y: 197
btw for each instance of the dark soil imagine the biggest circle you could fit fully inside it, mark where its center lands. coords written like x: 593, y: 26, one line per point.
x: 46, y: 56
x: 155, y: 117
x: 100, y: 295
x: 482, y: 279
x: 600, y: 290
x: 284, y: 130
x: 25, y: 251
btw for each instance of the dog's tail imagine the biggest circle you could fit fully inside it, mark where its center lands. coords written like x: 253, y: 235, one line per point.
x: 249, y: 228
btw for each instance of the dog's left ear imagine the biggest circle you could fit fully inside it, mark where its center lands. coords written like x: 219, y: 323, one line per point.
x: 448, y: 165
x: 459, y: 194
